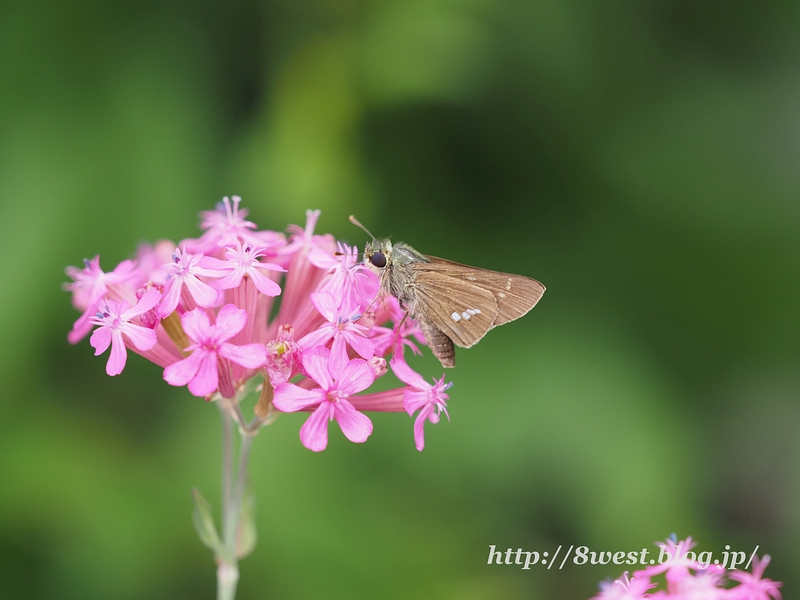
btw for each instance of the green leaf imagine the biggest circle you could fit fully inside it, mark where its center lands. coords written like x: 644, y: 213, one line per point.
x: 204, y: 523
x: 246, y: 533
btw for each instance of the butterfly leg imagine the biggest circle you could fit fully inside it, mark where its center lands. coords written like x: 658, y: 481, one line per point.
x: 366, y: 310
x: 397, y: 341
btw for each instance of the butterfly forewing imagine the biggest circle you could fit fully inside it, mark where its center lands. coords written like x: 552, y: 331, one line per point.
x: 462, y: 310
x: 515, y: 295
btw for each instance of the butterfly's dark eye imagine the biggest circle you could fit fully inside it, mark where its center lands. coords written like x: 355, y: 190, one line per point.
x: 378, y: 259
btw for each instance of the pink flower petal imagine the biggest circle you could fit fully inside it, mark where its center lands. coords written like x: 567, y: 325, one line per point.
x: 419, y: 428
x: 207, y: 378
x: 141, y: 337
x: 322, y: 259
x: 338, y: 358
x: 116, y: 361
x: 251, y: 356
x: 314, y: 432
x: 100, y: 340
x: 231, y: 280
x: 326, y: 305
x: 196, y: 325
x: 362, y: 345
x: 230, y: 321
x: 205, y: 295
x: 291, y: 398
x: 148, y: 300
x: 315, y: 362
x: 123, y: 272
x: 318, y: 337
x: 414, y: 400
x: 268, y: 265
x: 79, y: 330
x: 356, y: 376
x: 211, y: 267
x: 171, y: 298
x: 183, y: 371
x: 407, y: 375
x: 356, y: 426
x: 264, y: 284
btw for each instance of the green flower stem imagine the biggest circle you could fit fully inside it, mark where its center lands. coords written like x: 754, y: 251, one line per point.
x: 227, y: 457
x: 227, y: 578
x: 234, y: 484
x: 238, y: 504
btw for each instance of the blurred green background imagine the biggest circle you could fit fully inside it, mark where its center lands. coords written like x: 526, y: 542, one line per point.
x: 639, y: 158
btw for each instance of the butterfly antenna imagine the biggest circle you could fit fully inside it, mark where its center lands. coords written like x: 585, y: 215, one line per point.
x: 345, y: 246
x: 356, y: 254
x: 357, y: 223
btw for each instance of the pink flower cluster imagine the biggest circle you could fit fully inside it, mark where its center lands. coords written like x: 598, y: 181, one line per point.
x: 687, y: 579
x: 205, y: 310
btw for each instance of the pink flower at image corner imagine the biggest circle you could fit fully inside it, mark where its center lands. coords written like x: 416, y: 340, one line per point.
x: 203, y: 310
x: 625, y: 588
x: 687, y: 579
x: 752, y: 586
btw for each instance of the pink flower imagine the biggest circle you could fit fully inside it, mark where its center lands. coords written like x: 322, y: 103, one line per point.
x: 348, y: 278
x: 319, y: 247
x: 90, y: 285
x: 304, y: 274
x: 688, y: 579
x: 149, y: 259
x: 282, y: 356
x: 224, y: 227
x: 703, y: 585
x: 242, y: 260
x: 752, y: 587
x: 676, y: 569
x: 430, y: 400
x: 341, y: 326
x: 116, y: 321
x: 183, y: 270
x: 624, y: 588
x: 330, y: 399
x: 200, y: 370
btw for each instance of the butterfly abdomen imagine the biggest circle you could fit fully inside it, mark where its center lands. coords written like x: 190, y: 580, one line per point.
x: 438, y: 342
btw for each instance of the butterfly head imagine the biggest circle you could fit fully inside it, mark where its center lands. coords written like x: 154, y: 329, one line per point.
x: 377, y: 254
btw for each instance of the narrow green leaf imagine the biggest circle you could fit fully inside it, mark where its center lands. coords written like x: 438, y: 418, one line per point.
x: 204, y: 523
x: 246, y: 533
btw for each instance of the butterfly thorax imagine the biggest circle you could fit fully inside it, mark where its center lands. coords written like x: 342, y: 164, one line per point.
x: 394, y: 266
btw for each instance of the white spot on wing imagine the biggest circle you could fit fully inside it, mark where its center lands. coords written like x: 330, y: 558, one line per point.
x: 466, y: 315
x: 508, y: 284
x: 470, y: 279
x: 502, y: 295
x: 473, y: 311
x: 456, y: 317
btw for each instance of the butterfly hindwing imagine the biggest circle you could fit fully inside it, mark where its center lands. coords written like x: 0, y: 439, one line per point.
x: 515, y: 295
x: 460, y: 309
